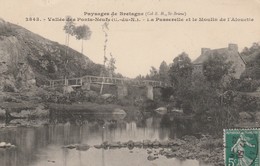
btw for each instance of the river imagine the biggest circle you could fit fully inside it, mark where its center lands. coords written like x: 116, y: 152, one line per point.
x: 42, y: 145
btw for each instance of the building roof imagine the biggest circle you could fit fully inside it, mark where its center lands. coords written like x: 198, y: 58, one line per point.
x: 231, y: 55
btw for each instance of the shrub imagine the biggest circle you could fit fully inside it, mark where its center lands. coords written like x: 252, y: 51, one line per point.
x: 166, y: 93
x: 246, y: 103
x: 248, y: 85
x: 149, y: 104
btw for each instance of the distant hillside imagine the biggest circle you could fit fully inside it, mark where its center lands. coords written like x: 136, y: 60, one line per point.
x: 27, y: 59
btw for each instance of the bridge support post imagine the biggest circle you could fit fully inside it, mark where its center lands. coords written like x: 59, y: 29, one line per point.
x: 149, y: 92
x: 66, y: 82
x: 122, y: 91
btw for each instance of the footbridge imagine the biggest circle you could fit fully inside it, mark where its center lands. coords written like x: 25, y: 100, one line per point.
x: 121, y: 83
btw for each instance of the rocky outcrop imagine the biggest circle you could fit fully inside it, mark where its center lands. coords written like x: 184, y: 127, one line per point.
x: 27, y: 59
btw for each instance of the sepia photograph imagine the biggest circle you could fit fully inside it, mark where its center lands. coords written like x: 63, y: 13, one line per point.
x: 129, y: 83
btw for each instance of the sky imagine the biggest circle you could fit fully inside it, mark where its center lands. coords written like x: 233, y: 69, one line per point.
x: 137, y: 46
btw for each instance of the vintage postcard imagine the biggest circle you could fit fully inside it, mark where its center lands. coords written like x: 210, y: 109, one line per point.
x: 129, y: 83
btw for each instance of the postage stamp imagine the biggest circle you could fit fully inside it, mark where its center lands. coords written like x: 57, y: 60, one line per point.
x: 241, y: 147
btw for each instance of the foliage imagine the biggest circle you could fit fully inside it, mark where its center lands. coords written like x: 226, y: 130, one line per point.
x: 105, y: 30
x: 149, y: 105
x: 154, y: 73
x: 253, y: 67
x: 249, y: 51
x: 69, y: 26
x: 82, y: 32
x: 180, y: 75
x: 111, y: 66
x: 203, y: 97
x: 215, y: 68
x: 252, y: 57
x: 163, y: 72
x: 248, y: 85
x: 181, y: 70
x: 69, y: 29
x: 246, y: 103
x: 75, y: 96
x: 166, y: 93
x: 8, y: 88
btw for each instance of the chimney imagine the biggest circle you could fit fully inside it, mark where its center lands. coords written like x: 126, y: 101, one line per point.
x: 204, y: 50
x: 233, y: 47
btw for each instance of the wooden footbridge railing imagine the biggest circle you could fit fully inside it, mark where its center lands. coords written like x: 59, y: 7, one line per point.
x: 106, y: 80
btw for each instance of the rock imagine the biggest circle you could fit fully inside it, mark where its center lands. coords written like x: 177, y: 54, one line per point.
x: 149, y: 151
x: 162, y: 152
x: 82, y: 147
x: 6, y: 145
x: 124, y: 144
x: 2, y: 125
x: 176, y: 142
x: 156, y: 153
x: 72, y: 146
x: 161, y: 110
x: 164, y: 144
x: 175, y: 148
x: 106, y: 96
x: 2, y: 144
x: 119, y: 111
x: 169, y: 154
x: 40, y: 111
x: 51, y: 161
x: 2, y: 113
x: 105, y: 145
x: 98, y: 146
x: 150, y: 157
x: 130, y: 145
x: 177, y: 111
x: 68, y: 89
x: 115, y: 145
x: 138, y: 144
x: 147, y: 143
x: 156, y: 144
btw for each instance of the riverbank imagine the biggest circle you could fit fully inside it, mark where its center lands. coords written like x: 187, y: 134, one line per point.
x: 207, y: 148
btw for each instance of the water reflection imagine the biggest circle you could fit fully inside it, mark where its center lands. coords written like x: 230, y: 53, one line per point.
x: 42, y: 146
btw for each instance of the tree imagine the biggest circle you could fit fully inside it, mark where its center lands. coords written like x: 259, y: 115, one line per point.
x: 180, y: 75
x: 105, y: 29
x: 111, y: 65
x: 82, y: 33
x: 215, y: 68
x: 154, y: 74
x: 163, y: 72
x: 252, y: 58
x: 69, y: 29
x: 181, y: 69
